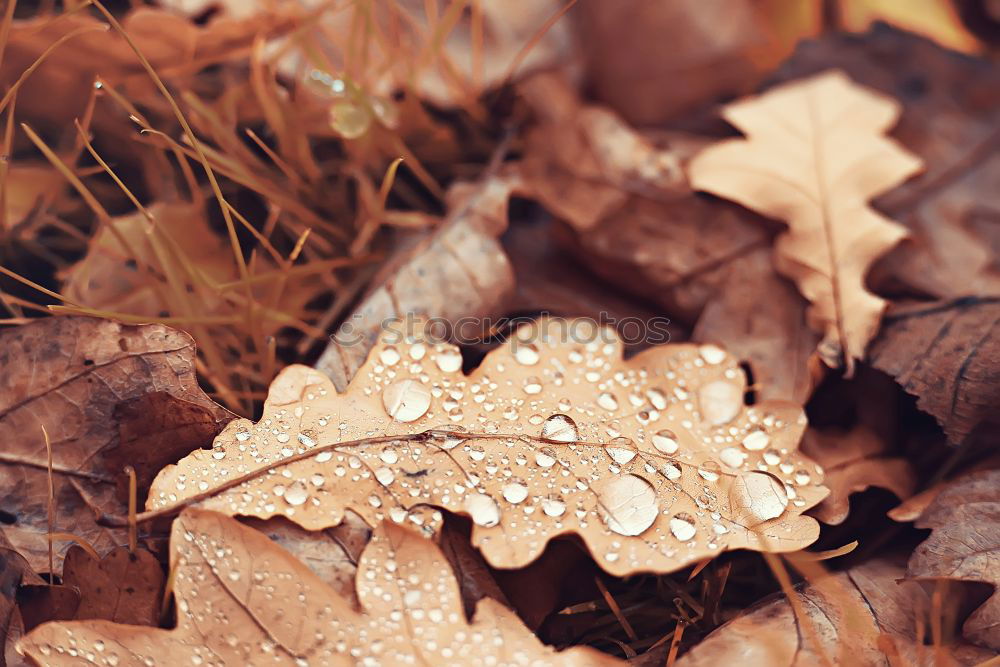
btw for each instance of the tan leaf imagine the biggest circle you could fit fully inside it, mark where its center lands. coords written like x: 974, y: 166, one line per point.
x: 854, y: 460
x: 655, y: 462
x: 241, y: 599
x: 68, y: 375
x: 14, y: 572
x: 862, y: 616
x: 122, y: 587
x: 814, y: 156
x: 965, y: 545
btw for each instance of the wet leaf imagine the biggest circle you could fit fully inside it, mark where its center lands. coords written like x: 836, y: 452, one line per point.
x: 862, y: 616
x: 814, y: 156
x: 68, y: 375
x: 965, y: 545
x: 655, y: 462
x: 241, y: 599
x: 946, y: 354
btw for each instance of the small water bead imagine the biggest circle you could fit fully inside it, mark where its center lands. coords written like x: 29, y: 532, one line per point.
x: 307, y: 438
x: 417, y: 351
x: 802, y: 477
x: 448, y: 360
x: 657, y: 398
x: 672, y: 470
x: 483, y: 509
x: 323, y: 457
x: 682, y: 526
x: 389, y: 356
x: 476, y: 452
x: 756, y: 497
x: 385, y: 476
x: 712, y: 354
x: 218, y: 454
x: 756, y: 440
x: 525, y: 354
x: 243, y: 434
x: 554, y: 506
x: 720, y: 402
x: 665, y: 441
x: 515, y: 491
x: 532, y: 386
x: 296, y: 494
x: 389, y: 455
x: 772, y: 457
x: 628, y: 504
x: 560, y: 428
x: 545, y: 458
x: 607, y: 401
x: 732, y: 457
x: 709, y: 470
x: 406, y: 400
x: 621, y: 450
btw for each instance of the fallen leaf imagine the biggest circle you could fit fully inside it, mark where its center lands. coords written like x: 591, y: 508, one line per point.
x: 965, y: 544
x: 563, y: 437
x: 652, y: 60
x: 937, y: 19
x: 814, y: 156
x: 911, y: 508
x: 123, y: 587
x: 854, y: 460
x: 68, y: 375
x: 946, y: 354
x: 256, y: 603
x: 862, y: 616
x: 951, y: 111
x: 27, y: 186
x: 14, y: 571
x: 459, y: 271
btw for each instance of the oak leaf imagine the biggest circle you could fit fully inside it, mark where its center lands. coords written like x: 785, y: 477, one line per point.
x: 655, y: 462
x: 241, y: 599
x: 965, y: 544
x: 814, y: 156
x: 68, y: 375
x: 862, y: 616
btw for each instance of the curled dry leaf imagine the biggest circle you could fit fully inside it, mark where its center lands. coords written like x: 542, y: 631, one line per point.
x: 947, y: 354
x: 853, y: 461
x: 965, y: 545
x: 863, y: 616
x: 14, y: 571
x: 68, y: 375
x: 241, y: 599
x: 458, y: 271
x: 655, y: 462
x: 814, y: 156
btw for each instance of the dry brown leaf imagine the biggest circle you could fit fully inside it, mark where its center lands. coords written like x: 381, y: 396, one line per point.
x: 14, y: 571
x: 68, y: 375
x: 965, y: 545
x: 26, y: 186
x: 458, y: 271
x: 937, y: 19
x: 854, y: 460
x: 862, y: 617
x: 814, y: 156
x: 124, y: 587
x: 241, y: 599
x: 947, y: 354
x: 655, y: 462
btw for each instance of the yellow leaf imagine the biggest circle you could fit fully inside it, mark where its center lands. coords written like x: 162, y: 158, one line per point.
x: 814, y: 155
x: 242, y: 600
x: 655, y: 462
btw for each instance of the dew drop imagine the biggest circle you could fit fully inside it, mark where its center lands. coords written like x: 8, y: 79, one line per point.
x: 665, y: 441
x: 628, y: 504
x: 712, y: 354
x: 560, y: 428
x: 483, y: 509
x: 732, y: 457
x: 554, y: 506
x: 756, y: 440
x: 672, y: 470
x: 389, y: 356
x: 720, y: 402
x: 709, y: 470
x: 525, y: 354
x: 448, y: 360
x: 515, y: 491
x: 532, y: 386
x: 545, y: 458
x: 657, y: 398
x: 296, y: 494
x: 385, y: 476
x: 682, y: 526
x: 406, y: 400
x: 621, y: 450
x: 607, y: 401
x: 757, y: 496
x: 243, y: 434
